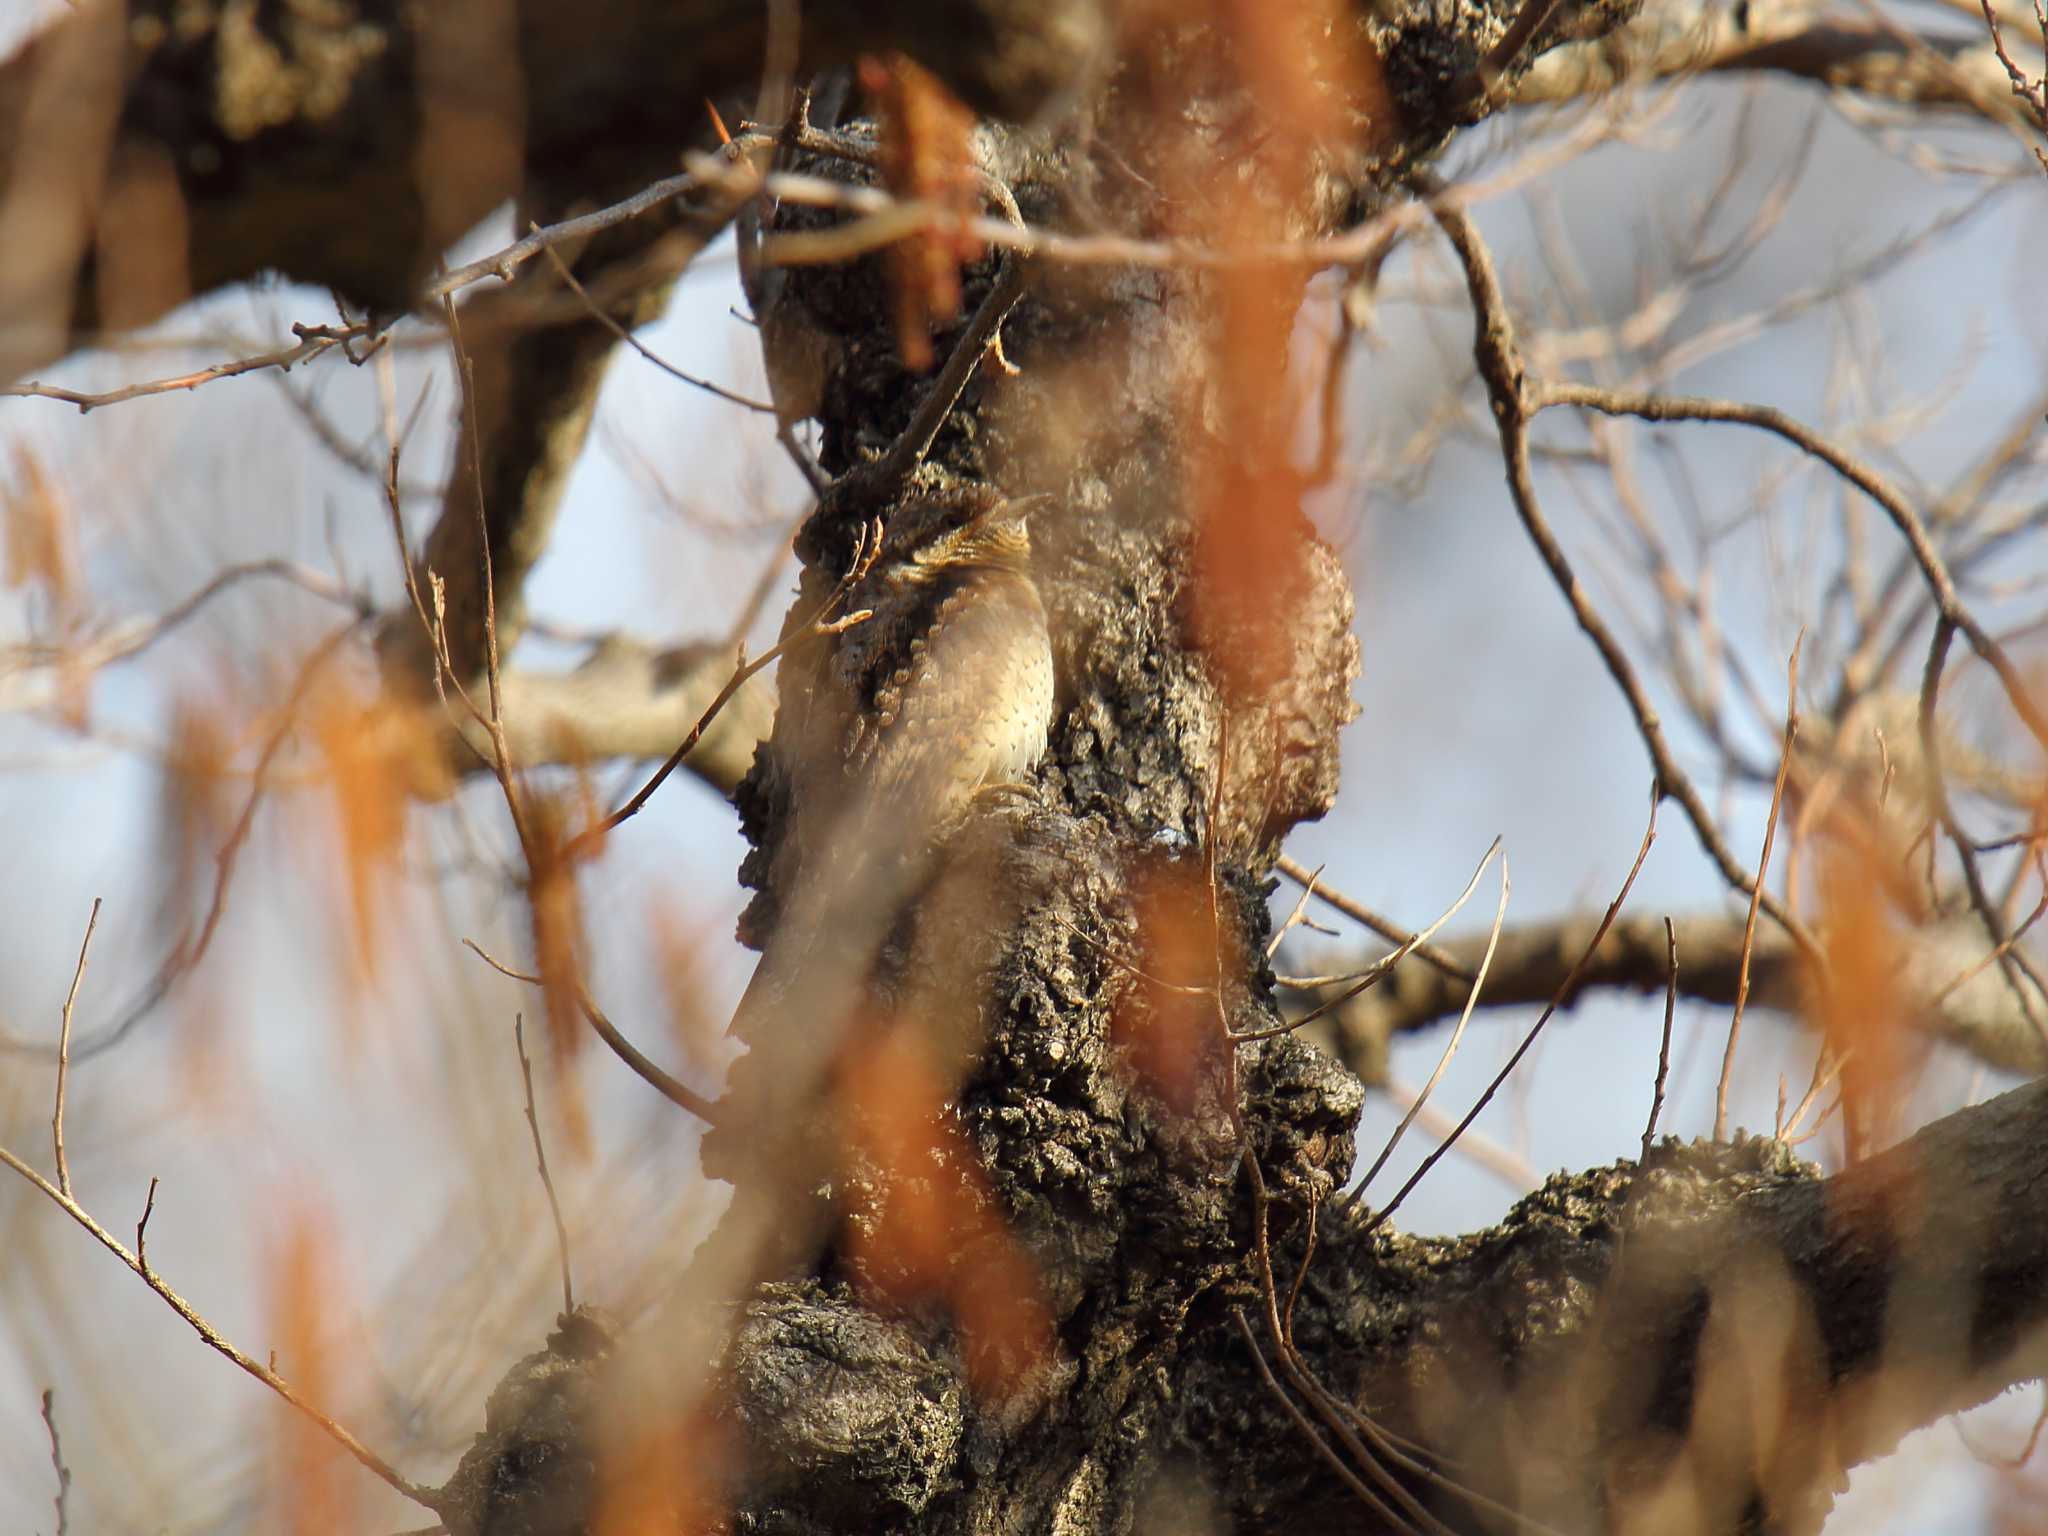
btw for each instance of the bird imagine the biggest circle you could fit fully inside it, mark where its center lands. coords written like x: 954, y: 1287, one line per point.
x: 890, y: 737
x: 945, y: 691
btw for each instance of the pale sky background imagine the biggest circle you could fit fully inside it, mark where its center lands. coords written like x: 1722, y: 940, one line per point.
x: 270, y: 1085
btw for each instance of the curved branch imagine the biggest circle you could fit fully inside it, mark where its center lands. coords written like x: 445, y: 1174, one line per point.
x: 1979, y: 1015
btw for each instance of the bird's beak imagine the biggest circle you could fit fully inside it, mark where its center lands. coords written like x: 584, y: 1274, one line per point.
x: 1022, y: 507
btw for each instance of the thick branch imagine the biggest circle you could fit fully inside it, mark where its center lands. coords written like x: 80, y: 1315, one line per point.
x: 630, y: 701
x: 347, y: 147
x: 1716, y: 1339
x: 1980, y: 1016
x: 1857, y: 55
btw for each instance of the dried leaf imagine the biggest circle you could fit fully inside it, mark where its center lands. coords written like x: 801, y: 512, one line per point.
x: 316, y: 1482
x: 1860, y: 1006
x: 678, y: 945
x: 649, y: 1483
x: 371, y: 754
x: 933, y: 1229
x: 555, y: 907
x: 1168, y: 1023
x: 41, y: 534
x: 927, y: 156
x: 194, y: 809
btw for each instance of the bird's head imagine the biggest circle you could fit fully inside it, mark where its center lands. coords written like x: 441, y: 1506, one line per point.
x: 997, y: 535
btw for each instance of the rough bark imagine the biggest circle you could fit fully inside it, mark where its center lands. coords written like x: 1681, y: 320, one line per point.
x: 1706, y: 1343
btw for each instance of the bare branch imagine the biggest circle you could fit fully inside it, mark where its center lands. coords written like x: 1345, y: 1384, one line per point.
x: 540, y: 1156
x: 631, y: 701
x: 1379, y: 1217
x: 63, y: 1500
x: 313, y: 341
x: 1407, y: 1119
x: 718, y: 390
x: 1895, y: 504
x: 1664, y: 1042
x: 212, y: 1337
x: 1515, y: 399
x: 1763, y: 868
x: 642, y: 1067
x: 1676, y: 42
x: 27, y: 681
x: 64, y: 1053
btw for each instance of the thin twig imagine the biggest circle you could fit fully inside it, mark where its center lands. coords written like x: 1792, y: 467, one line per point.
x: 503, y: 263
x: 676, y: 1093
x: 1298, y: 1376
x: 1510, y: 1167
x: 313, y: 340
x: 1994, y: 956
x: 1825, y: 1071
x: 1371, y: 976
x: 63, y: 1500
x: 1308, y: 889
x: 1762, y: 870
x: 64, y: 1052
x: 212, y: 1337
x: 142, y: 1227
x: 1443, y: 1064
x: 1139, y: 973
x: 2012, y: 963
x: 983, y: 332
x: 1307, y: 1430
x: 1385, y: 927
x: 437, y: 637
x: 186, y: 953
x: 543, y: 859
x: 817, y: 626
x: 1515, y: 399
x: 135, y: 636
x: 1890, y: 499
x: 540, y: 1156
x: 465, y: 373
x: 1664, y: 1043
x: 1535, y: 1030
x: 1483, y: 83
x: 598, y: 314
x: 2034, y: 95
x: 1308, y: 1253
x: 1212, y: 836
x: 1351, y: 1426
x: 883, y: 219
x: 626, y: 1051
x: 732, y: 174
